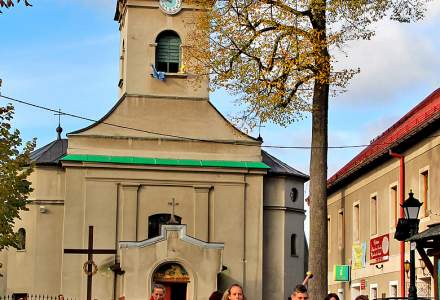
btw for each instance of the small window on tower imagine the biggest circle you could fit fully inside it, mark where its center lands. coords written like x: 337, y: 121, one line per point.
x: 168, y: 52
x: 293, y: 245
x: 21, y: 245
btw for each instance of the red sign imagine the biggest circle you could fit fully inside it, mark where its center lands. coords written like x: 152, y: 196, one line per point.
x: 363, y: 284
x: 379, y: 249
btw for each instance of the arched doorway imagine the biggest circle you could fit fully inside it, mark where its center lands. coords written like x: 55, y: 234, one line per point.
x: 175, y: 279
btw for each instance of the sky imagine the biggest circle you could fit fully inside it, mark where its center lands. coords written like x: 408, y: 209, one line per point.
x: 63, y: 54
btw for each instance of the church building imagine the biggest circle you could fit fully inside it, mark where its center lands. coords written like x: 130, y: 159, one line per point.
x: 162, y: 189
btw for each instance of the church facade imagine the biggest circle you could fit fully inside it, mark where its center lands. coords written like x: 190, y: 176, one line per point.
x: 173, y: 192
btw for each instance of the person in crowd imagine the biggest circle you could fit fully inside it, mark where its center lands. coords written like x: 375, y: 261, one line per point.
x: 216, y: 296
x: 331, y: 296
x: 300, y: 293
x: 234, y: 292
x: 158, y: 292
x: 361, y: 297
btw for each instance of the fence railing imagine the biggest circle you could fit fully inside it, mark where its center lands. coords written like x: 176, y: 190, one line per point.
x: 33, y: 297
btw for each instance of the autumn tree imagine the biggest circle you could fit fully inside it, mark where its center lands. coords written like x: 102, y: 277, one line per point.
x: 278, y: 57
x: 15, y: 168
x: 10, y: 3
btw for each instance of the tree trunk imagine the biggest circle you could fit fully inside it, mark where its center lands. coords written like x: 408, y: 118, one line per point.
x: 318, y: 254
x: 318, y: 250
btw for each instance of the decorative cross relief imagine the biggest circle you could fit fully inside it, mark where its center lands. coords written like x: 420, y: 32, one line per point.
x: 173, y: 219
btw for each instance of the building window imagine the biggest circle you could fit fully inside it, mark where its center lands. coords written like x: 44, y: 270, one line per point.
x: 373, y: 291
x: 293, y: 194
x: 21, y: 245
x: 341, y: 229
x: 356, y: 223
x: 395, y: 207
x: 393, y: 289
x: 373, y: 215
x: 156, y: 221
x: 424, y: 192
x: 168, y: 52
x: 293, y: 245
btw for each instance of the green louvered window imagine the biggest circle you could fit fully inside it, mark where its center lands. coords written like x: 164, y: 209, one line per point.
x: 168, y: 52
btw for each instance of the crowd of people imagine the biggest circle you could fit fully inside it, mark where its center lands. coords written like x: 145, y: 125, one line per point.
x: 235, y: 292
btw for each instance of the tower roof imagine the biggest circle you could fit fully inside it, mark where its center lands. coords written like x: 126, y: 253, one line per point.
x: 278, y: 167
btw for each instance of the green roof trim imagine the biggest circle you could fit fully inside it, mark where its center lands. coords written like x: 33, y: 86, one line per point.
x: 131, y: 160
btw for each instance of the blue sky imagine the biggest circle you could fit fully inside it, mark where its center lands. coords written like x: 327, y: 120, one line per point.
x: 64, y: 54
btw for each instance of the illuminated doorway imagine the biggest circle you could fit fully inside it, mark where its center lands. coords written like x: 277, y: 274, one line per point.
x: 175, y: 279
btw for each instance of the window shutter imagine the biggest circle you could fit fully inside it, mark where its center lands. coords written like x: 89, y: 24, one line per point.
x: 168, y: 52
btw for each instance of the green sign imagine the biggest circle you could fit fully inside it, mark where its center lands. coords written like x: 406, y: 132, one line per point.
x: 341, y: 273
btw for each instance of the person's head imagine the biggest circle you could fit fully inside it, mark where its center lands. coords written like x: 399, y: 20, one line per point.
x: 216, y: 296
x: 300, y: 293
x: 235, y: 292
x: 60, y: 297
x: 361, y: 297
x: 331, y: 296
x: 158, y: 292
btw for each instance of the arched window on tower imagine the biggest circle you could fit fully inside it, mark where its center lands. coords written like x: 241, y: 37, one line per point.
x: 21, y: 245
x: 168, y: 52
x: 157, y: 220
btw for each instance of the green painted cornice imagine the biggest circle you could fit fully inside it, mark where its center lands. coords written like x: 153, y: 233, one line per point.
x: 132, y: 160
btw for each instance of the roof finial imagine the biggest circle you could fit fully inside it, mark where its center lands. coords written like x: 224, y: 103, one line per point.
x: 59, y: 128
x: 259, y: 138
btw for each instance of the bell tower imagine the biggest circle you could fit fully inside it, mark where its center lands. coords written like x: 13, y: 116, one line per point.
x: 152, y: 43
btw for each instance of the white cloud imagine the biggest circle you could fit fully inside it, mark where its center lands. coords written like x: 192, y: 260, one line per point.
x: 399, y: 57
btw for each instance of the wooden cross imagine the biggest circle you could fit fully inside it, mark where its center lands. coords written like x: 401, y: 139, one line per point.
x: 173, y: 219
x: 90, y: 263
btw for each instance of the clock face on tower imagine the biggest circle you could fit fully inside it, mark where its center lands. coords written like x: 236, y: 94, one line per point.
x: 170, y: 7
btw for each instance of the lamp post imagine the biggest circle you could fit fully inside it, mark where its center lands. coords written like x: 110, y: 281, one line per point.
x: 411, y: 207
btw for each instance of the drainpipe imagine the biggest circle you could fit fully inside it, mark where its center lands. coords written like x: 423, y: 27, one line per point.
x: 244, y: 234
x: 402, y: 198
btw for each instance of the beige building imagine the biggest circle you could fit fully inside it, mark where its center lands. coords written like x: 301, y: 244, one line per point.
x: 364, y: 205
x: 182, y: 196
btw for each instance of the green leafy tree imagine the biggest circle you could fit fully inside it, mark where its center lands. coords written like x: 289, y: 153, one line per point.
x: 15, y: 167
x: 278, y: 57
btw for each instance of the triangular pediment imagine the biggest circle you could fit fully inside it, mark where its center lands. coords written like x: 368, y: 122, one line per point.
x: 161, y: 127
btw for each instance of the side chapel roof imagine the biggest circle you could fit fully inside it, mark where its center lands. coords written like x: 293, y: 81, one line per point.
x: 50, y: 154
x: 411, y: 127
x: 278, y: 167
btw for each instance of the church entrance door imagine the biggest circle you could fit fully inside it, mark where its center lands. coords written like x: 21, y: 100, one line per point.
x: 175, y: 290
x: 175, y: 279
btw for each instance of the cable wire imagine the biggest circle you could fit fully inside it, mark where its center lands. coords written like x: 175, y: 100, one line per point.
x: 58, y: 111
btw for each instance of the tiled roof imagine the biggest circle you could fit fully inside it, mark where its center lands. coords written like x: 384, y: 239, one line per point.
x: 425, y: 113
x: 277, y: 167
x: 50, y: 153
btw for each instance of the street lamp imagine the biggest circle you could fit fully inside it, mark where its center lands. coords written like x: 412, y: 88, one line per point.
x: 411, y: 207
x: 407, y: 266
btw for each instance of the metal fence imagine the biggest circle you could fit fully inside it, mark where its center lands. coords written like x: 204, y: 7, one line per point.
x: 32, y: 297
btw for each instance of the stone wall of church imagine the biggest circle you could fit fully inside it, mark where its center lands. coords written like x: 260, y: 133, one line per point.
x: 222, y: 206
x: 35, y: 269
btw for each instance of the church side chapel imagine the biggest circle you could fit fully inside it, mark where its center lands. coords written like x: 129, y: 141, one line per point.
x: 163, y: 189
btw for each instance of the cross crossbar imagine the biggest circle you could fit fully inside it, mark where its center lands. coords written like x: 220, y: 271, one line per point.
x: 90, y: 251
